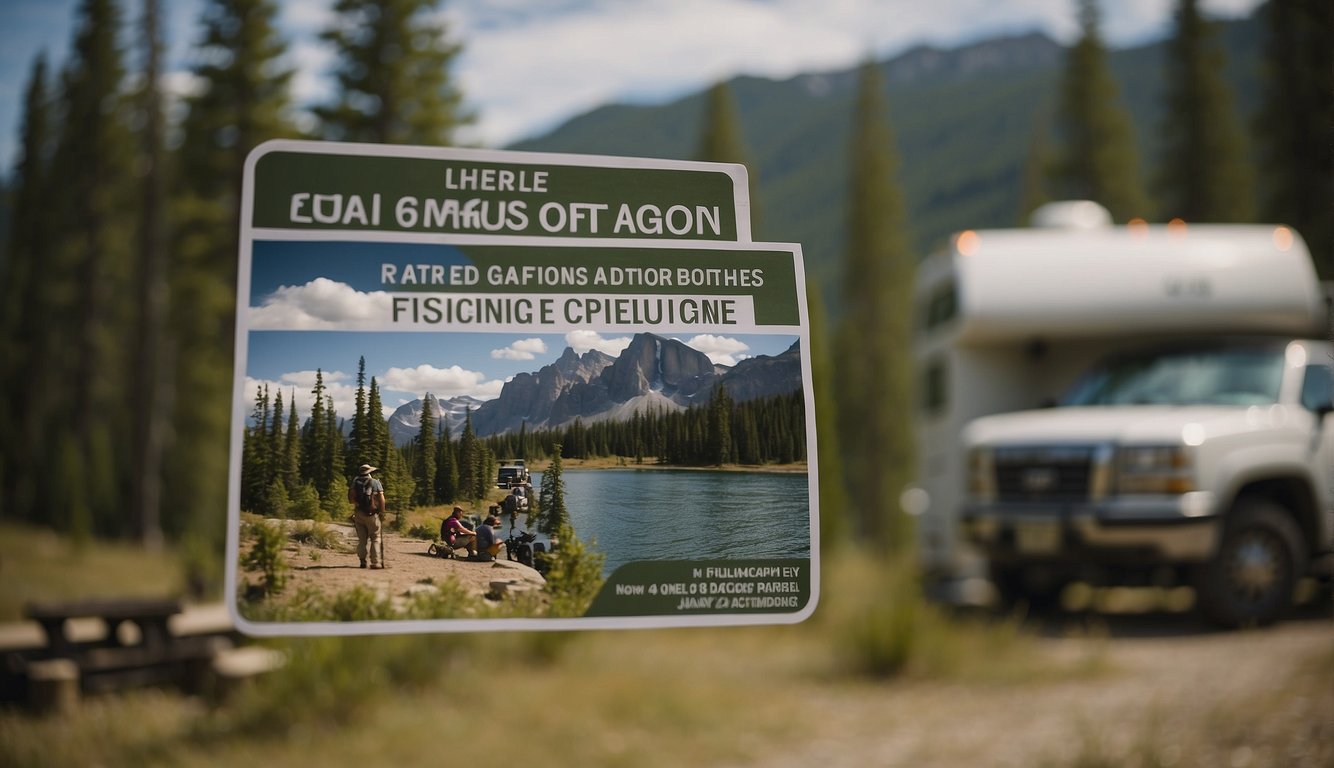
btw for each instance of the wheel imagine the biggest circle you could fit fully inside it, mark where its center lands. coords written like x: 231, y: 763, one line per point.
x: 1039, y: 589
x: 1250, y: 580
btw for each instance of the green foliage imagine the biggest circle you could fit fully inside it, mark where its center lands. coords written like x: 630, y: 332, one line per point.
x: 1292, y: 129
x: 424, y: 531
x: 393, y: 74
x: 874, y: 359
x: 305, y: 501
x: 550, y: 511
x: 316, y: 534
x: 266, y: 556
x: 424, y: 463
x: 1096, y: 156
x: 721, y: 140
x: 574, y: 573
x: 1204, y: 172
x: 335, y: 680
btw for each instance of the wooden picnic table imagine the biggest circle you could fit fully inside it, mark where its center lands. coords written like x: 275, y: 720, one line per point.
x: 149, y: 615
x: 125, y: 658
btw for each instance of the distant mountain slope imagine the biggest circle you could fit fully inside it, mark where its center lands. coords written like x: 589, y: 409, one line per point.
x: 962, y: 119
x: 652, y: 372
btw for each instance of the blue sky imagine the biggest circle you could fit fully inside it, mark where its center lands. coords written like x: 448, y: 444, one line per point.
x: 528, y: 65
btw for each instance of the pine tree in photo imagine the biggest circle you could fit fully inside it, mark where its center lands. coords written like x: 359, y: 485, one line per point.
x: 291, y: 460
x: 1096, y: 157
x: 1293, y: 127
x: 1204, y: 173
x: 446, y: 468
x: 720, y: 427
x: 551, y: 511
x: 424, y: 466
x: 874, y: 343
x: 393, y: 74
x: 360, y: 436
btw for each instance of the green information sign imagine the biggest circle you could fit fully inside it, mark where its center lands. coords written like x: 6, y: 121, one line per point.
x: 586, y: 356
x: 327, y: 186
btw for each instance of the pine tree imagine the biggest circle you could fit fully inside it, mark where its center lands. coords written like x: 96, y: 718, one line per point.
x: 291, y: 463
x: 874, y: 343
x: 446, y: 469
x: 721, y: 140
x: 153, y: 353
x: 240, y: 99
x: 1096, y: 157
x: 360, y: 436
x: 1203, y: 174
x: 423, y: 470
x: 27, y: 305
x: 470, y: 461
x: 551, y: 511
x: 1293, y: 128
x: 92, y: 161
x: 377, y: 429
x: 393, y: 75
x: 720, y: 427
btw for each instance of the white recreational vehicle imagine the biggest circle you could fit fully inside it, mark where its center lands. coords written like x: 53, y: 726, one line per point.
x: 1126, y: 404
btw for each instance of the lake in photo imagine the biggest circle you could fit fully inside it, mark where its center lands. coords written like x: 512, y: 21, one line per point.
x: 662, y: 514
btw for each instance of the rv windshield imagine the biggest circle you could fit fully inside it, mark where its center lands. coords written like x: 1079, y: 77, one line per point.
x: 1217, y: 376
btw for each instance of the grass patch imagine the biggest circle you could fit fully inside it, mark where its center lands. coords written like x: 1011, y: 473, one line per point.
x: 879, y: 625
x: 318, y: 535
x: 39, y: 564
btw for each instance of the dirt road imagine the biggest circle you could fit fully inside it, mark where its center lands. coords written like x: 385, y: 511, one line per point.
x: 410, y: 567
x: 1172, y: 691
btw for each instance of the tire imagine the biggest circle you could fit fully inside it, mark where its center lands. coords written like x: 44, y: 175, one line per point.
x: 1250, y: 580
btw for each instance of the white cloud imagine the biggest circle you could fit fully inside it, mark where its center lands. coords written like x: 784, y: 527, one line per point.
x: 720, y: 349
x: 320, y: 304
x: 583, y: 341
x: 441, y: 382
x: 523, y: 349
x: 298, y: 386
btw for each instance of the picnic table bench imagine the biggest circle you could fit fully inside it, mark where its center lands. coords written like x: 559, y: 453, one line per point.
x: 137, y: 648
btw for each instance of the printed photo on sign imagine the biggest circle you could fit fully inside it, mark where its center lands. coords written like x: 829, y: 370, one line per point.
x: 443, y: 436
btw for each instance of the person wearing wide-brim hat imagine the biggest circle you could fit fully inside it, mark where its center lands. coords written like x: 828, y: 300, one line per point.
x: 367, y: 496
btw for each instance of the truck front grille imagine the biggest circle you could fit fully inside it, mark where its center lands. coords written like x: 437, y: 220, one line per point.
x: 1043, y: 473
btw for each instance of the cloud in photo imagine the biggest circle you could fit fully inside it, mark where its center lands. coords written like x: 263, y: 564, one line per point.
x: 720, y: 349
x: 441, y: 382
x: 321, y: 304
x: 298, y: 386
x: 523, y: 349
x: 583, y: 341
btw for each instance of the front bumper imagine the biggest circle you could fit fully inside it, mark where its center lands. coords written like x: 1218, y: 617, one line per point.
x: 1124, y: 531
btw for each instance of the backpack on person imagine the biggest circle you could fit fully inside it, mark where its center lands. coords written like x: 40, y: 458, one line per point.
x: 364, y: 495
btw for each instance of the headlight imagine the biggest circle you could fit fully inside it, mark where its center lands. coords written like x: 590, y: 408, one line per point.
x: 1154, y: 469
x: 981, y: 475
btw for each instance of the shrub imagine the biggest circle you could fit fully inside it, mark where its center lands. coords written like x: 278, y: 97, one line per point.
x: 266, y: 556
x: 315, y: 534
x: 574, y: 574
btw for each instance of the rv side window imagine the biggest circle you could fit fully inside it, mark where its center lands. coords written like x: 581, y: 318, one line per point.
x: 1316, y: 389
x: 935, y: 386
